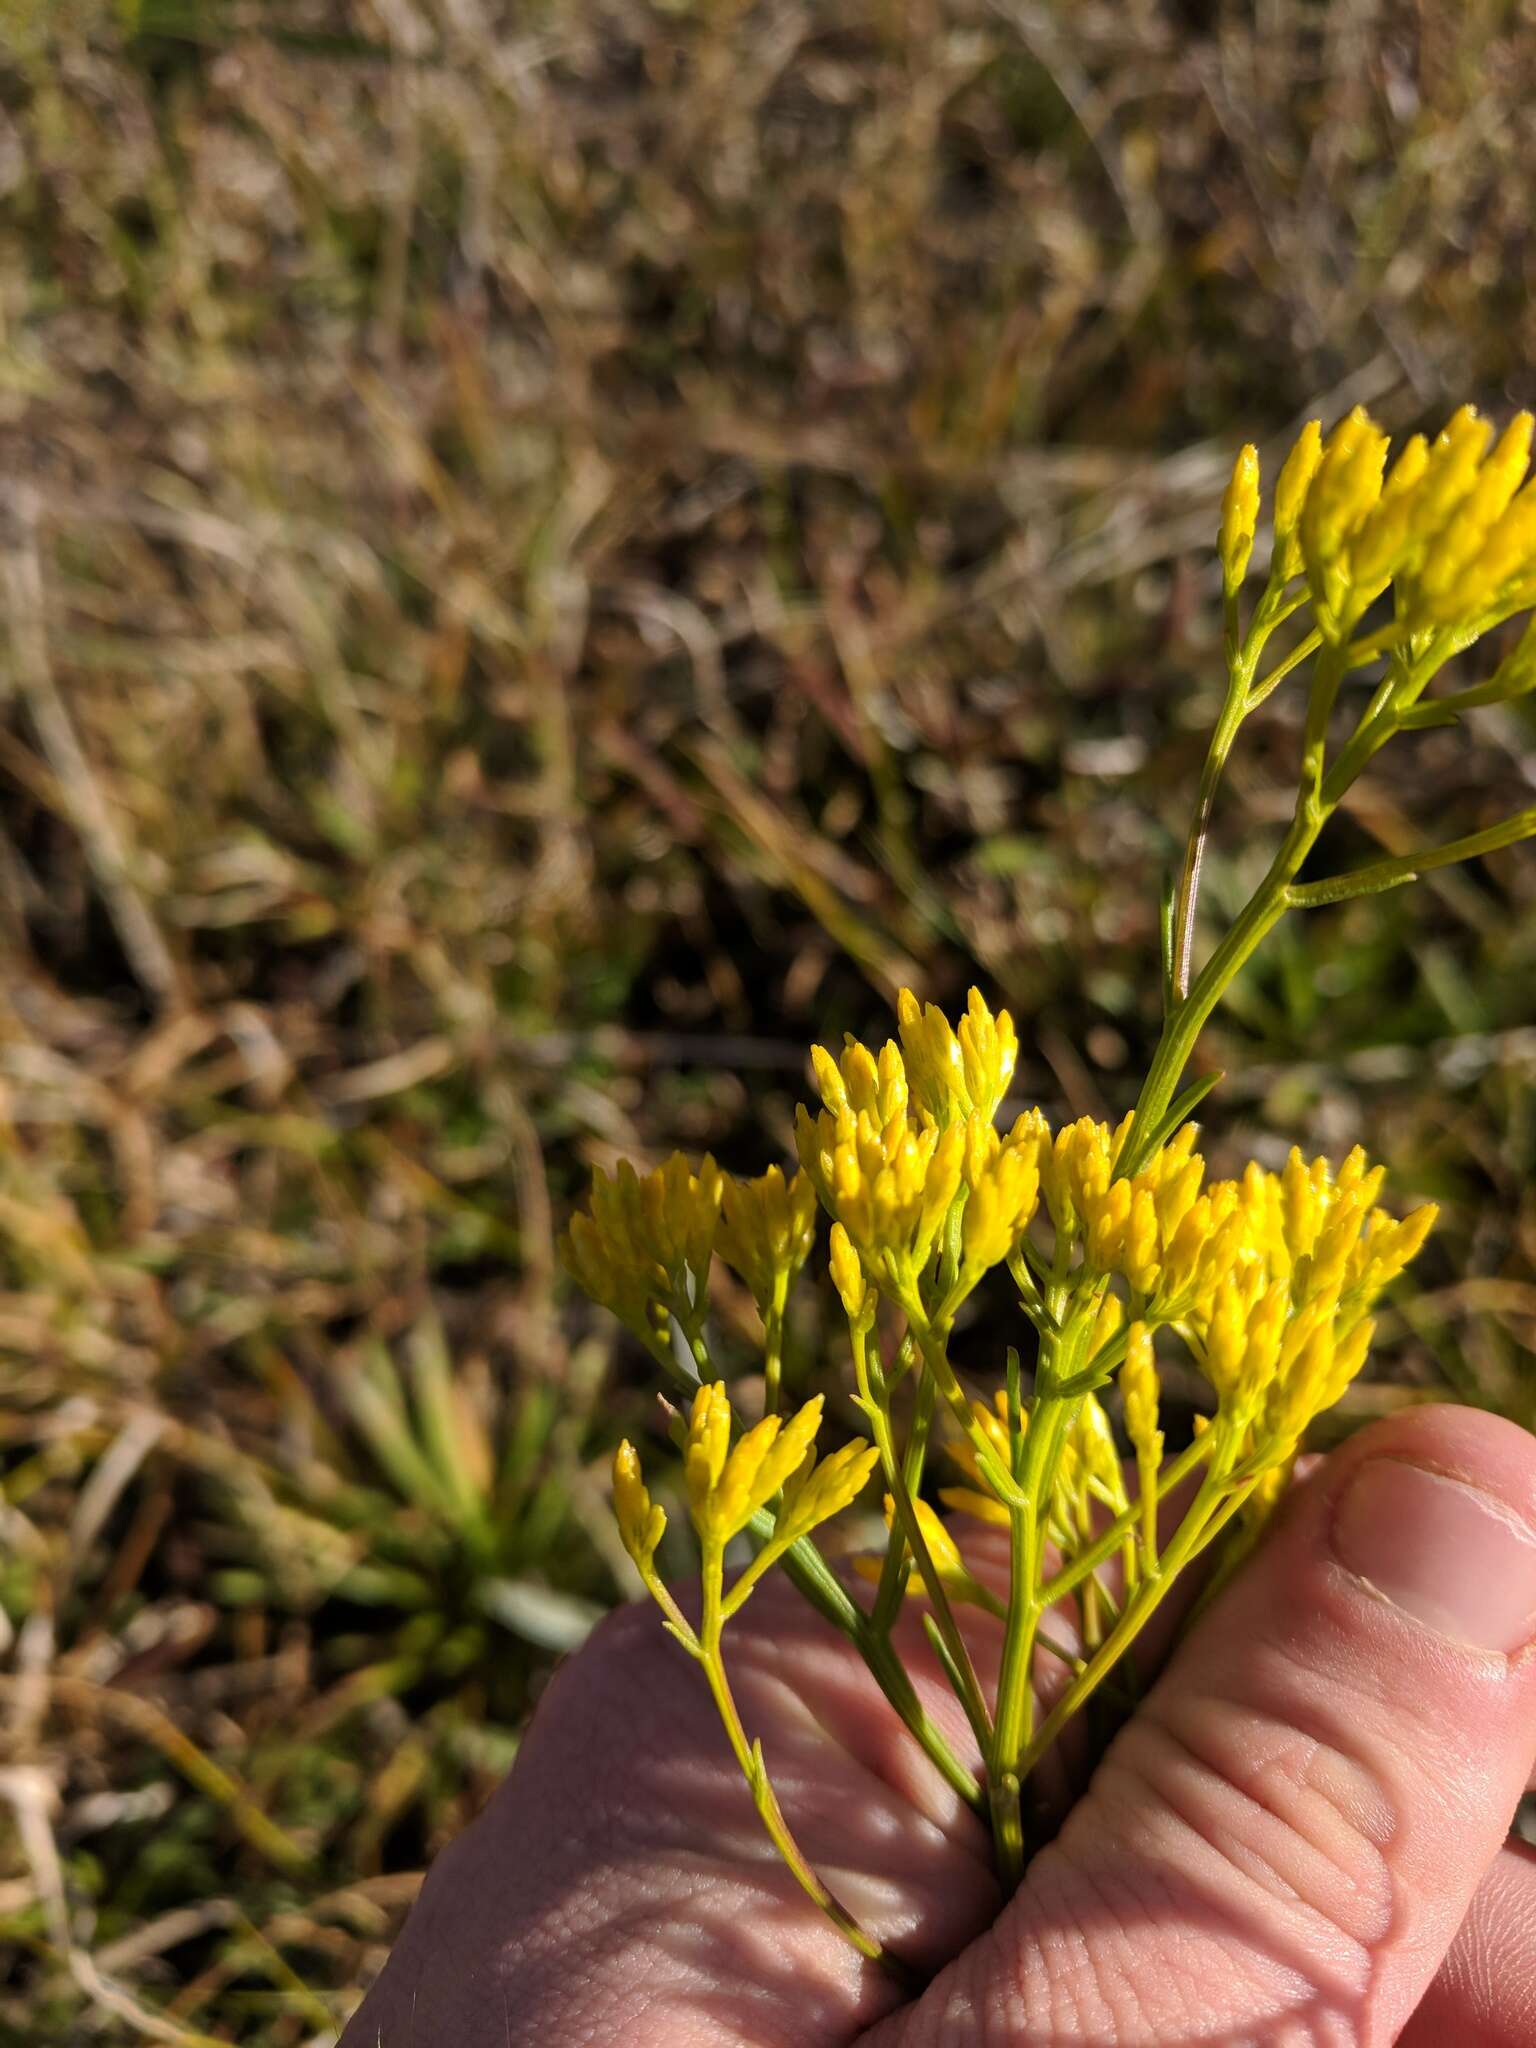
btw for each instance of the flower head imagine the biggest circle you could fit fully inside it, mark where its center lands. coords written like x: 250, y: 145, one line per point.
x: 961, y: 1070
x: 644, y: 1247
x: 727, y: 1486
x: 1449, y: 526
x: 890, y: 1185
x: 767, y: 1227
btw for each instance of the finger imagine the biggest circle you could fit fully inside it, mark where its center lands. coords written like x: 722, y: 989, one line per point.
x: 1485, y: 1993
x: 1283, y: 1842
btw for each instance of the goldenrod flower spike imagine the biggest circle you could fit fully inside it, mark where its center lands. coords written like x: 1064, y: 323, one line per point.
x: 612, y: 1277
x: 854, y: 1290
x: 957, y: 1071
x: 1004, y: 1192
x: 708, y: 1445
x: 989, y: 1052
x: 890, y: 1186
x: 1343, y: 493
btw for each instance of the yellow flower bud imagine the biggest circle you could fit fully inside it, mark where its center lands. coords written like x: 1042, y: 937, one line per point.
x: 757, y: 1468
x: 1343, y: 493
x: 1239, y: 518
x: 767, y: 1227
x: 981, y: 1507
x: 848, y: 1275
x: 1301, y: 1210
x: 1295, y: 479
x: 1143, y: 1243
x: 1226, y: 1341
x: 989, y: 1051
x: 817, y: 1492
x: 640, y: 1521
x: 829, y: 1079
x: 708, y: 1444
x: 644, y: 1248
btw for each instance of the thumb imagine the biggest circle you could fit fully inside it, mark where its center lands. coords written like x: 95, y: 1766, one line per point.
x: 1281, y: 1845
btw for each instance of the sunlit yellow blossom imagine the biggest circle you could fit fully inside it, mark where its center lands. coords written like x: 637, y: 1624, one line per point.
x: 641, y: 1522
x: 1450, y: 527
x: 890, y: 1185
x: 1342, y: 495
x: 1239, y: 518
x: 816, y: 1492
x: 1002, y: 1177
x: 1076, y: 1170
x: 727, y: 1486
x: 1139, y: 1268
x: 957, y: 1071
x: 859, y: 1082
x: 767, y: 1228
x: 644, y: 1249
x: 848, y: 1276
x: 1291, y: 487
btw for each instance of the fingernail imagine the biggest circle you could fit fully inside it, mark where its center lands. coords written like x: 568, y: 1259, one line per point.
x: 1447, y: 1554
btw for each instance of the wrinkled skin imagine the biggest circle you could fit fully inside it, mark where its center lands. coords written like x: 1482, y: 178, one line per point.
x: 1300, y: 1838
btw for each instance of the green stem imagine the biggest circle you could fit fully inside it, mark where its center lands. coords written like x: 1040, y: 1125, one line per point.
x: 1071, y: 1576
x: 1233, y: 712
x: 813, y: 1578
x: 1209, y: 1514
x: 1390, y: 874
x: 1048, y: 1423
x: 1242, y: 658
x: 750, y: 1758
x: 896, y: 1567
x: 874, y: 1402
x: 931, y: 1345
x: 1052, y: 1414
x: 773, y: 1355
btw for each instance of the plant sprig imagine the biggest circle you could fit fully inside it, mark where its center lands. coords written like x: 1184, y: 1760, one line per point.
x: 1117, y: 1243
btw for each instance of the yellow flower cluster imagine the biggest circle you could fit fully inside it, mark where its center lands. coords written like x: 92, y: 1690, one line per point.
x: 1449, y: 524
x: 1113, y: 1235
x: 905, y: 1143
x: 644, y: 1249
x: 767, y: 1228
x: 959, y: 1070
x: 1268, y: 1278
x: 1286, y: 1328
x: 728, y: 1484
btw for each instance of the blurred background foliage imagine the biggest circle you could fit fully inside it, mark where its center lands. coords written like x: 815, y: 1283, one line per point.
x: 550, y: 553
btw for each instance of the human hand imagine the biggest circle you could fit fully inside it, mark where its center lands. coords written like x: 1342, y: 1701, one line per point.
x: 1300, y: 1838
